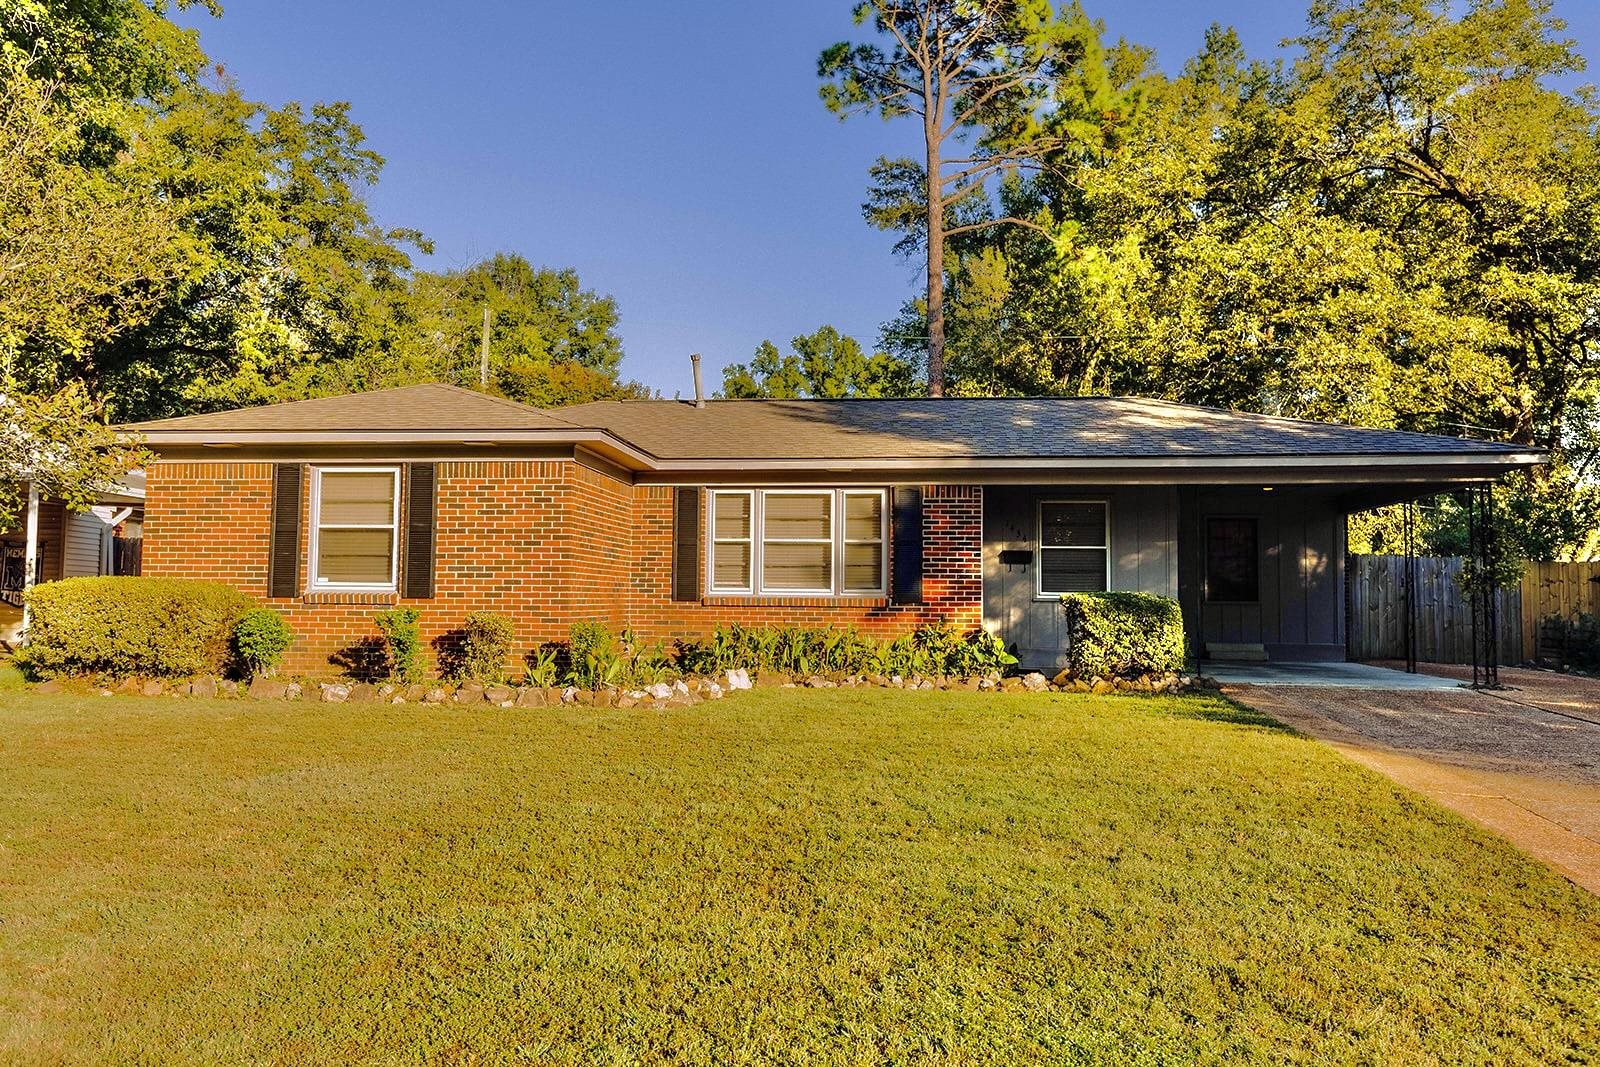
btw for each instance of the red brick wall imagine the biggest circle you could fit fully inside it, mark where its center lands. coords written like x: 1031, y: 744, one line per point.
x: 545, y: 543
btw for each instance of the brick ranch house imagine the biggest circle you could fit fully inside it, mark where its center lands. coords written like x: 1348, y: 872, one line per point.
x: 670, y: 517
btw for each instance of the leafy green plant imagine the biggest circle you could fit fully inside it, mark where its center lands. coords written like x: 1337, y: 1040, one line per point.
x: 544, y: 666
x: 645, y: 664
x: 486, y: 642
x: 1123, y: 634
x: 403, y: 642
x: 933, y: 650
x: 596, y: 661
x: 260, y: 639
x: 158, y: 627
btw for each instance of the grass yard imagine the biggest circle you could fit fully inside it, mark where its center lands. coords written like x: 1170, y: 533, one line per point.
x: 791, y: 876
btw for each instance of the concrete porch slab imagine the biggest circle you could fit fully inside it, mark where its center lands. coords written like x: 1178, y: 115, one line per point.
x: 1327, y: 675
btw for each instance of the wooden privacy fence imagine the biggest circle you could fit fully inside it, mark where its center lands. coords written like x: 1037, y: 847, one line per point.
x: 1376, y: 586
x: 1444, y: 621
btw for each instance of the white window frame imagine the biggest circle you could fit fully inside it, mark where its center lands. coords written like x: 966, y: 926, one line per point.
x: 1039, y: 592
x: 882, y: 588
x: 713, y: 540
x: 758, y: 539
x: 316, y: 583
x: 832, y: 540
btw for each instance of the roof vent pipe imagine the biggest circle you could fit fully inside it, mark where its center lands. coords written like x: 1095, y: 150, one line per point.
x: 699, y: 390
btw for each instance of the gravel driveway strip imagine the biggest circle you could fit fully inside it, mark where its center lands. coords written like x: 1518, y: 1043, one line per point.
x: 1524, y: 761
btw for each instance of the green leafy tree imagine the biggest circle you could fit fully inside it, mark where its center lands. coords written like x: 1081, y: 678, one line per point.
x: 551, y: 341
x: 1399, y: 229
x: 288, y: 275
x: 83, y: 251
x: 824, y: 365
x: 981, y: 79
x: 61, y: 445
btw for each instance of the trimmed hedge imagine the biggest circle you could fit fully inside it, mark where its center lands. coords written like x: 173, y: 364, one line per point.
x: 156, y: 627
x: 1123, y: 635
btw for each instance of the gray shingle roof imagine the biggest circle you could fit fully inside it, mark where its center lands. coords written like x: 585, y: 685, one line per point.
x: 978, y: 428
x: 1002, y: 428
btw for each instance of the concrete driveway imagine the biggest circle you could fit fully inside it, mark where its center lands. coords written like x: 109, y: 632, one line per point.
x: 1523, y: 761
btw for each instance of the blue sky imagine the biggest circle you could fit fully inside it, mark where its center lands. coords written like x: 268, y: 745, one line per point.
x: 675, y: 154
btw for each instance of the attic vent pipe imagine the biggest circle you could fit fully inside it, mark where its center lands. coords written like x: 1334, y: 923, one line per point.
x: 699, y: 390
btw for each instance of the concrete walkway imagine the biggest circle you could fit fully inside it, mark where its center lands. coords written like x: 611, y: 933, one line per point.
x: 1329, y: 675
x: 1523, y: 762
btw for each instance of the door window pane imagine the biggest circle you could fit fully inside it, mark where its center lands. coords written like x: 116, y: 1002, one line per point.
x: 1233, y: 561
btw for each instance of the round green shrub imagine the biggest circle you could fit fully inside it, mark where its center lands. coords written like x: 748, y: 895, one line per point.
x: 259, y: 641
x: 1123, y: 635
x: 486, y: 642
x: 155, y: 627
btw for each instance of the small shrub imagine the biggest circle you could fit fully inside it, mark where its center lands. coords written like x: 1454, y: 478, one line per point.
x: 595, y: 660
x: 260, y: 639
x: 1123, y: 634
x: 1578, y: 637
x: 158, y: 627
x: 403, y: 642
x: 486, y: 642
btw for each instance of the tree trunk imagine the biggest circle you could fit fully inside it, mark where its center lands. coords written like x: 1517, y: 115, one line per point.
x: 935, y: 265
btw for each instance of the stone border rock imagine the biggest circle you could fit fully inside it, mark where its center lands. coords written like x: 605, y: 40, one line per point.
x: 683, y: 692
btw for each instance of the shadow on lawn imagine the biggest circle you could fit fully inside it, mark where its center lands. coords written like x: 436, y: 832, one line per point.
x: 1222, y: 710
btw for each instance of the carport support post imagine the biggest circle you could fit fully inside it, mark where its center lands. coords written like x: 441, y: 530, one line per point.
x: 1408, y: 541
x: 30, y: 554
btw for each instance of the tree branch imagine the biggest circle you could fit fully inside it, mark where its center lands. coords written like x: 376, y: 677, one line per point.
x: 1008, y: 220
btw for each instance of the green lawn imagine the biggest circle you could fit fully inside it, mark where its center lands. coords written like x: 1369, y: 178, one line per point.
x: 848, y: 877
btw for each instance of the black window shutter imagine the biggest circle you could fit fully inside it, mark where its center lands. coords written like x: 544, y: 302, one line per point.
x: 907, y: 587
x: 420, y: 485
x: 685, y: 544
x: 283, y: 565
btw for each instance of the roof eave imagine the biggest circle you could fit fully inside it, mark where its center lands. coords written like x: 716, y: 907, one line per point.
x: 599, y: 440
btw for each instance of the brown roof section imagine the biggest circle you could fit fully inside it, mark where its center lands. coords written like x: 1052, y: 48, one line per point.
x: 429, y: 407
x: 989, y: 428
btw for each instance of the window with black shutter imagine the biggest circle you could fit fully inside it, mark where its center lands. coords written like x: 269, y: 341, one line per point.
x: 419, y: 565
x: 283, y: 562
x: 685, y: 543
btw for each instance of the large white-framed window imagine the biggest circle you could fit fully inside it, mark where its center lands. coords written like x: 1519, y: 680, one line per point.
x: 798, y: 541
x: 1074, y: 547
x: 355, y: 523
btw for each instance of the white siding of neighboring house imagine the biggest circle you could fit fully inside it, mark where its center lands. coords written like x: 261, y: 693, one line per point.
x: 84, y: 551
